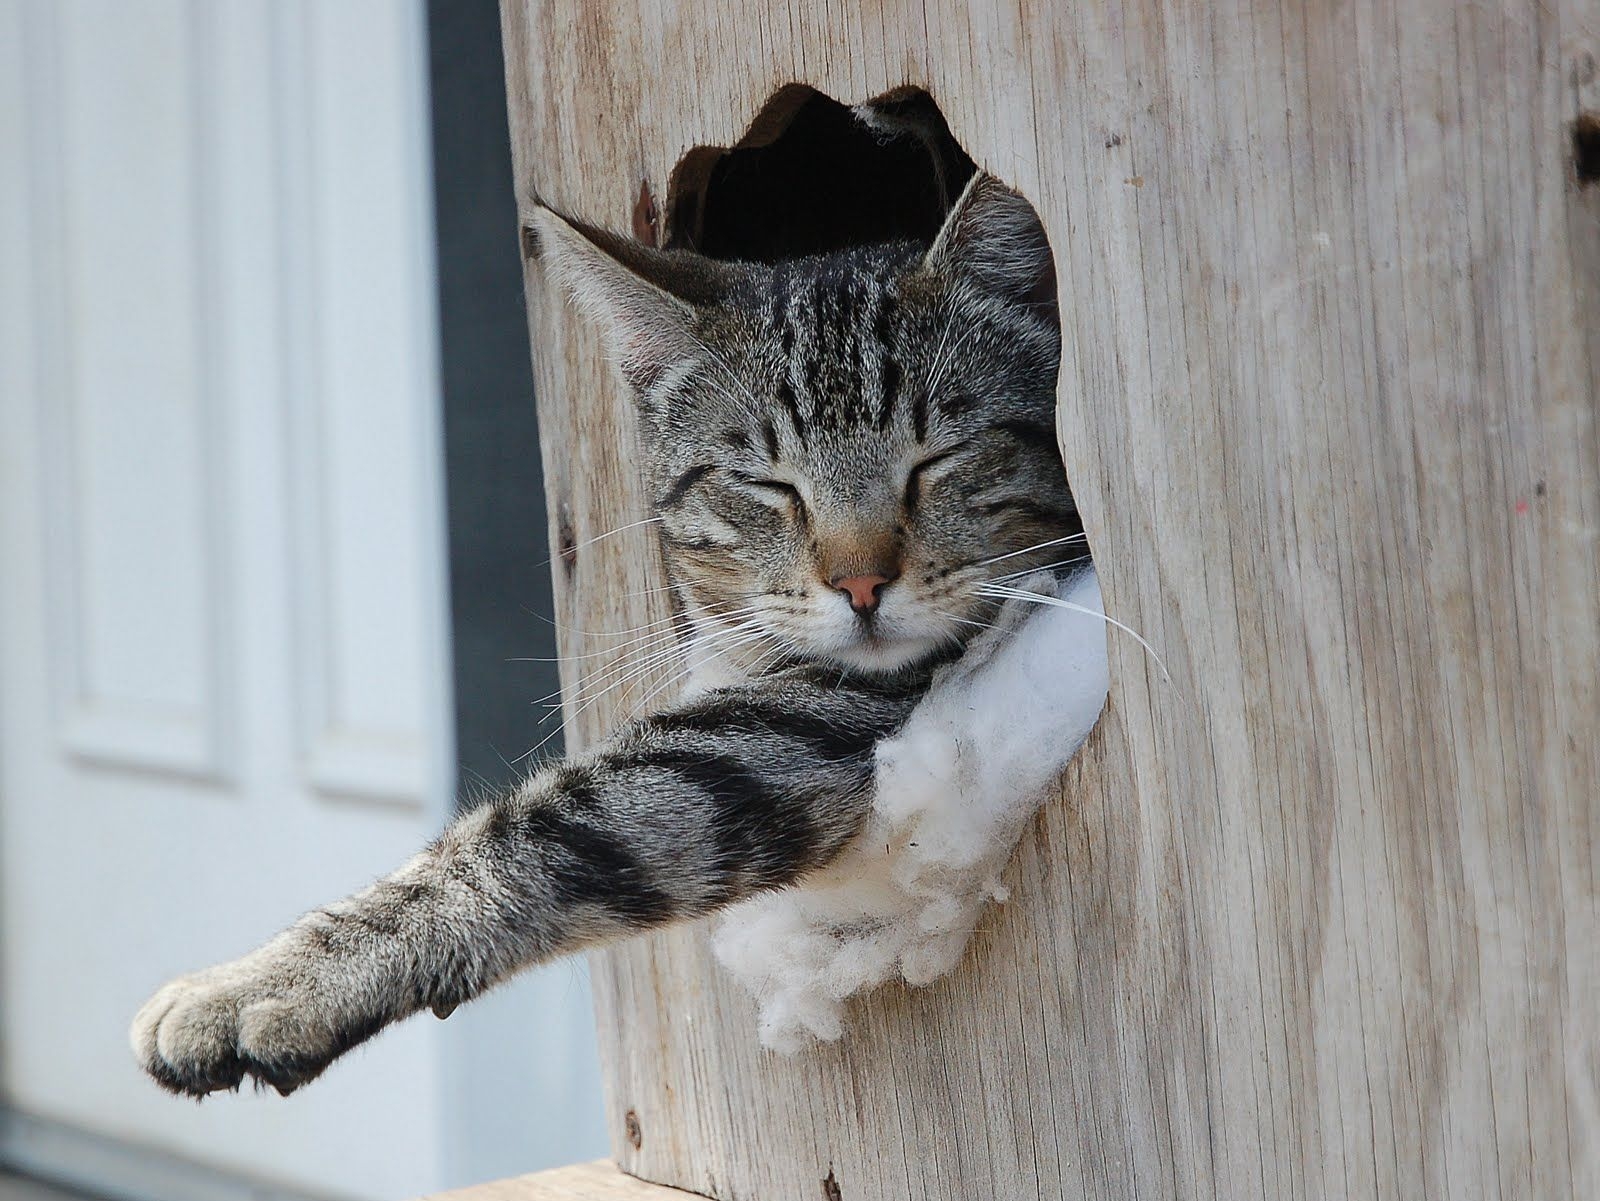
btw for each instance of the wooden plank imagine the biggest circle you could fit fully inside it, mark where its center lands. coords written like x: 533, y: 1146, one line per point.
x: 1319, y: 919
x: 598, y: 1181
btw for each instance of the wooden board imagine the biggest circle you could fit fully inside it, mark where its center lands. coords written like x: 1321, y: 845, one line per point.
x: 599, y: 1181
x: 1319, y: 918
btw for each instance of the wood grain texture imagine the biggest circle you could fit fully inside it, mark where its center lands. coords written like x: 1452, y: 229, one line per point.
x: 1320, y: 918
x: 581, y: 1182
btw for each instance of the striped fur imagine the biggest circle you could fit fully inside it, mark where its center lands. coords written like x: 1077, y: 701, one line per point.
x: 883, y: 411
x: 746, y: 788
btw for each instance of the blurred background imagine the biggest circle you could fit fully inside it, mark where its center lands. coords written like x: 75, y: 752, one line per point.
x: 271, y: 536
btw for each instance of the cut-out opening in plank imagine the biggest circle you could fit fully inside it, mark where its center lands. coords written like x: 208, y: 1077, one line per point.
x: 812, y: 175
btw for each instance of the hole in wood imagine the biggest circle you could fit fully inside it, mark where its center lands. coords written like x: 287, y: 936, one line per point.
x: 813, y: 175
x: 566, y: 536
x: 1586, y: 149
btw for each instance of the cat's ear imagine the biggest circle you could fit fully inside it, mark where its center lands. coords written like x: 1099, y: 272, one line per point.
x: 994, y: 240
x: 643, y: 300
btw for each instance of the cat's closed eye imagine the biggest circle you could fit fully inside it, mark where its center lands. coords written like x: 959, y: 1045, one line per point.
x: 915, y: 477
x: 779, y: 489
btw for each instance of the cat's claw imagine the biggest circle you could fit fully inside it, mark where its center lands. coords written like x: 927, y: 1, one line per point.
x: 211, y: 1031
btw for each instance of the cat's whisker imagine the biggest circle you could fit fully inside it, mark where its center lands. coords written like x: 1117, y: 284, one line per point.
x: 936, y: 373
x: 757, y: 636
x: 1027, y: 571
x: 648, y: 626
x: 718, y: 390
x: 1028, y: 550
x: 664, y: 650
x: 583, y: 704
x: 733, y: 375
x: 1057, y: 602
x: 624, y: 674
x: 600, y: 682
x: 770, y: 659
x: 785, y: 643
x: 603, y: 652
x: 588, y: 542
x: 542, y: 743
x: 582, y: 633
x: 674, y: 630
x: 621, y: 658
x: 982, y: 625
x: 649, y: 591
x: 616, y: 675
x: 966, y: 621
x: 676, y: 667
x: 943, y: 361
x: 688, y: 670
x: 644, y: 641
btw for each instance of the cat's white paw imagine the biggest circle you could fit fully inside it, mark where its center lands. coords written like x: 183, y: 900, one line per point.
x: 206, y: 1032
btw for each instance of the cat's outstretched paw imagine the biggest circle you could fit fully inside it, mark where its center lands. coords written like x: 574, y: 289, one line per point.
x: 207, y: 1032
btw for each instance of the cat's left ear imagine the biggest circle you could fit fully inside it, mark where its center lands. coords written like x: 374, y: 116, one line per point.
x: 643, y: 300
x: 994, y: 241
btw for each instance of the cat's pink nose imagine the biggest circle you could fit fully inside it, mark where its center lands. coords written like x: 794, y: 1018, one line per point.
x: 864, y: 591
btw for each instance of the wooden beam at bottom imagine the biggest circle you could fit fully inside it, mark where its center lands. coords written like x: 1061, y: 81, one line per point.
x: 598, y: 1181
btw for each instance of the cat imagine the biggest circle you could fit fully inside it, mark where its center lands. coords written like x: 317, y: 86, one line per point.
x: 850, y: 454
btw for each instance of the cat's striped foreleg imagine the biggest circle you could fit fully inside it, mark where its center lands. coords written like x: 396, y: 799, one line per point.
x: 742, y: 790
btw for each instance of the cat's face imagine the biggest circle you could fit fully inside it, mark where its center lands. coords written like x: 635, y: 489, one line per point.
x: 844, y: 448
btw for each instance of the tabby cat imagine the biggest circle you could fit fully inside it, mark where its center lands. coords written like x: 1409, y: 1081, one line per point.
x: 843, y: 449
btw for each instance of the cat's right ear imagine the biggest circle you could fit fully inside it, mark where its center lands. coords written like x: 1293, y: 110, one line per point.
x: 642, y: 300
x: 994, y: 241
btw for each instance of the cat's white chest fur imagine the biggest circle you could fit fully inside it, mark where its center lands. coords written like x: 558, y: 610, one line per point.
x: 955, y: 789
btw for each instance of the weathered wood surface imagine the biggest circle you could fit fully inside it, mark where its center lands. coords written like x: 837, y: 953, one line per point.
x: 1320, y: 920
x: 582, y: 1182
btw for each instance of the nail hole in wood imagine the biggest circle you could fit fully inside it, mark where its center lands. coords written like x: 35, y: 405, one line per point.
x: 646, y: 217
x: 830, y: 1188
x: 1586, y: 149
x: 566, y: 537
x: 630, y: 1124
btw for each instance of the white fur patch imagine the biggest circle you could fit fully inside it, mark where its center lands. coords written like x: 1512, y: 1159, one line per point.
x: 955, y: 789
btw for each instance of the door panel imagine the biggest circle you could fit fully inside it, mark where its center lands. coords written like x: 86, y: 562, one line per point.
x: 223, y: 641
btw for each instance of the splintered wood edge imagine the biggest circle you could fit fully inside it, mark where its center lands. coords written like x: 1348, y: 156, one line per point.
x: 601, y: 1180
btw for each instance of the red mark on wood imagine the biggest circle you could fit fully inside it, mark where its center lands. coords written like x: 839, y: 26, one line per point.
x: 646, y: 217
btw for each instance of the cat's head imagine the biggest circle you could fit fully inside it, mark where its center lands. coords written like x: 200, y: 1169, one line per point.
x: 842, y: 448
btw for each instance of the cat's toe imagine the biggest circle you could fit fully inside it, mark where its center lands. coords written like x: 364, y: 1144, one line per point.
x: 282, y: 1045
x: 264, y: 1018
x: 186, y: 1037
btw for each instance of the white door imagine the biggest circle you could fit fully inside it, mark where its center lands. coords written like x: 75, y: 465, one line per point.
x: 223, y: 639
